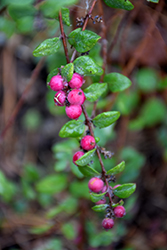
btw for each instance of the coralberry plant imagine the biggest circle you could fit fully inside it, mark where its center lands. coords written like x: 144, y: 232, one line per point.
x: 70, y: 91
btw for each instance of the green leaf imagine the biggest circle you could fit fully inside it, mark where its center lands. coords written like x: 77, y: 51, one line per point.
x: 54, y: 72
x: 105, y: 119
x: 96, y: 197
x: 119, y: 4
x: 88, y: 171
x: 85, y: 65
x: 119, y: 168
x: 125, y: 190
x: 117, y: 82
x: 47, y: 47
x: 72, y: 129
x: 83, y: 41
x: 52, y: 184
x: 100, y: 208
x: 120, y: 203
x: 69, y: 231
x: 20, y: 11
x: 66, y: 16
x: 147, y: 79
x: 153, y: 1
x: 67, y: 71
x: 40, y: 229
x: 86, y: 158
x: 94, y: 91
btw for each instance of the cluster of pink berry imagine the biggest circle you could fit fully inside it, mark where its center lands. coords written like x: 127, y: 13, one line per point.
x: 96, y: 185
x: 69, y: 94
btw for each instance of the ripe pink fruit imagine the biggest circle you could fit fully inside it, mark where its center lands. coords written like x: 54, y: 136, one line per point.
x: 88, y: 142
x: 108, y: 223
x: 102, y: 201
x: 76, y: 97
x: 119, y: 211
x: 56, y: 83
x: 76, y: 81
x: 60, y: 98
x: 77, y: 155
x: 95, y: 184
x: 73, y: 111
x: 104, y: 190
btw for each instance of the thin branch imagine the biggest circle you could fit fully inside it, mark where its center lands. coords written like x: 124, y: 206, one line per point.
x: 33, y: 78
x: 63, y: 37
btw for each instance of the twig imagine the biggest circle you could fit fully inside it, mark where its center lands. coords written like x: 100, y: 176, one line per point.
x: 63, y: 37
x: 11, y: 120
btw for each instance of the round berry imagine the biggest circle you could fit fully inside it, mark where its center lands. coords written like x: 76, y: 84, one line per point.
x: 60, y: 98
x: 73, y: 111
x: 88, y: 142
x: 56, y: 83
x: 105, y: 189
x: 102, y: 201
x: 119, y: 211
x: 108, y: 223
x: 77, y: 155
x: 76, y: 81
x: 95, y: 184
x: 76, y: 97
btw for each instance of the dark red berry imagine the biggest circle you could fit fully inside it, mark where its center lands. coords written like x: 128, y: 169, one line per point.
x: 76, y: 81
x: 56, y: 83
x: 76, y: 97
x: 108, y: 223
x: 95, y: 184
x: 73, y: 111
x: 88, y: 142
x: 119, y: 211
x: 77, y: 155
x: 60, y: 98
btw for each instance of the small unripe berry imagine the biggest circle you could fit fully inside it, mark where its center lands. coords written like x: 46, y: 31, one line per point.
x: 104, y: 190
x: 76, y: 97
x: 77, y: 155
x: 73, y: 111
x: 119, y: 211
x: 95, y: 184
x: 108, y: 223
x: 56, y: 83
x: 88, y: 142
x: 76, y: 81
x: 60, y: 98
x: 102, y: 201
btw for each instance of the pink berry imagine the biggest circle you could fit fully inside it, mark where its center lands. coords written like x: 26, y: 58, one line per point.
x: 88, y: 142
x: 73, y: 111
x: 76, y: 97
x: 76, y: 81
x: 102, y: 201
x: 60, y: 98
x: 108, y: 223
x: 56, y: 83
x: 104, y: 190
x: 95, y: 184
x: 116, y: 186
x: 77, y: 155
x: 119, y: 211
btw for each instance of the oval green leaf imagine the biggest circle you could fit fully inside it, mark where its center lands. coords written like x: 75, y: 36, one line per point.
x: 94, y: 91
x: 118, y: 169
x: 65, y: 16
x: 100, y: 208
x: 125, y: 190
x: 47, y: 47
x: 119, y: 4
x: 120, y: 203
x: 67, y: 71
x: 83, y: 41
x: 85, y: 65
x: 52, y: 184
x: 86, y: 158
x: 72, y: 129
x: 117, y: 82
x: 105, y: 119
x: 96, y: 197
x: 88, y: 171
